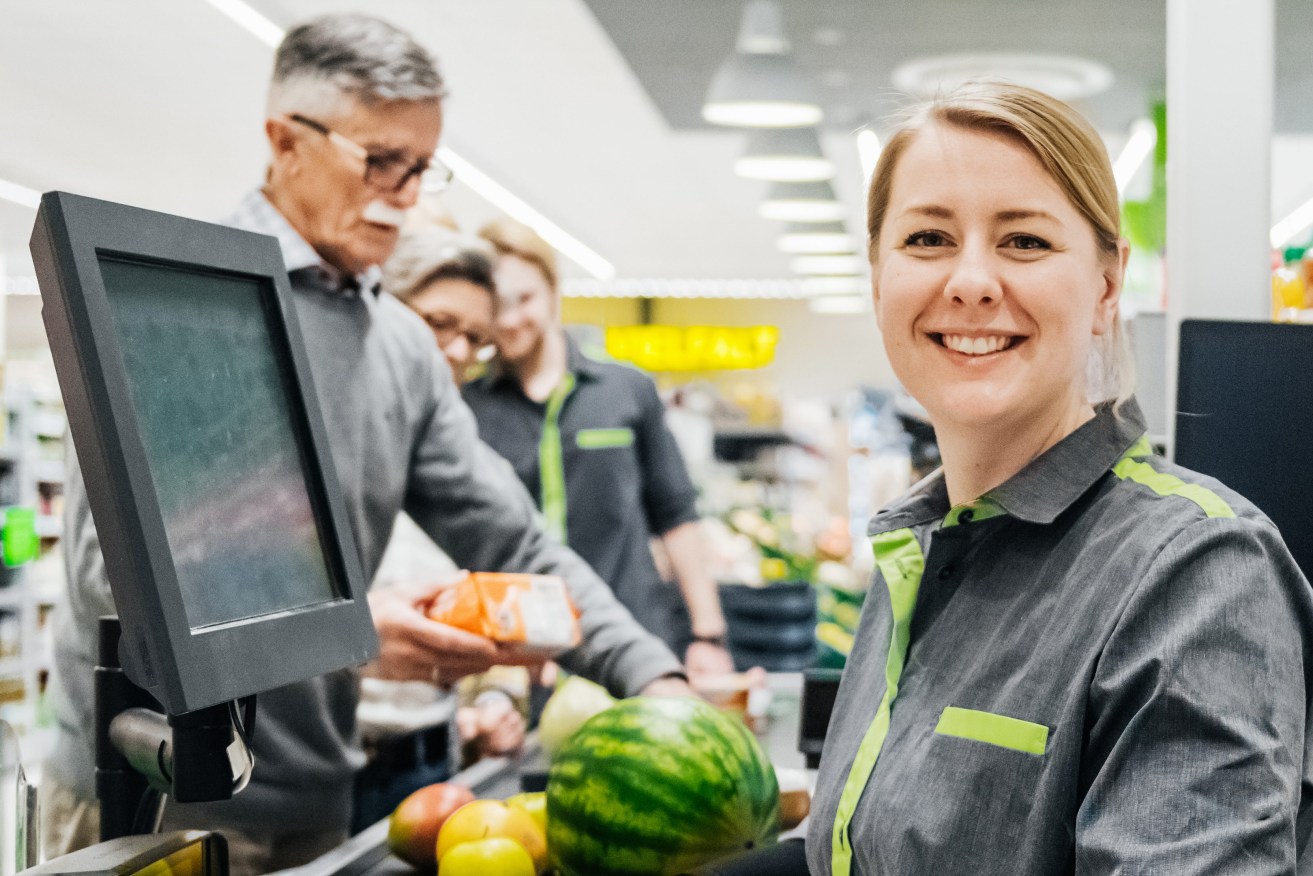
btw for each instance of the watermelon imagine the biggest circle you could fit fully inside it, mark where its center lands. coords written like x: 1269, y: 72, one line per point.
x: 658, y: 786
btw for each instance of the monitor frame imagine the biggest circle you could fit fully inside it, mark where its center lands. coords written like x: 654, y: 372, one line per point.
x: 1272, y: 439
x: 184, y: 668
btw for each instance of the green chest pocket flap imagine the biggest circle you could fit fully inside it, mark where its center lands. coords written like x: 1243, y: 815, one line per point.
x: 994, y: 729
x: 598, y: 439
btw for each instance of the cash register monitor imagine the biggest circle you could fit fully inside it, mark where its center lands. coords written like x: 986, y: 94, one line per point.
x: 1243, y: 417
x: 202, y: 448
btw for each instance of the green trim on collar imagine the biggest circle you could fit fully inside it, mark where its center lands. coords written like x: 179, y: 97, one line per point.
x: 972, y: 512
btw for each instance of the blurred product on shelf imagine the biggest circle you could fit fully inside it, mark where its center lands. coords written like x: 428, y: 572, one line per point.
x: 1292, y: 285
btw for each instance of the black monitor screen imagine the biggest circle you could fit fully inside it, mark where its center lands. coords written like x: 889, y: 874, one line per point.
x: 1241, y: 418
x: 210, y: 390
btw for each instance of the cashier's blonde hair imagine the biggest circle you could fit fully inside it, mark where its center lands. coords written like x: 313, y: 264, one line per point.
x: 1074, y: 156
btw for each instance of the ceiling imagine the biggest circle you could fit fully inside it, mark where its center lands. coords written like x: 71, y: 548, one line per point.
x: 588, y: 110
x: 849, y: 49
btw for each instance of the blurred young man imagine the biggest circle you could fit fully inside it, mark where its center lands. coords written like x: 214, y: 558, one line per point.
x: 589, y: 439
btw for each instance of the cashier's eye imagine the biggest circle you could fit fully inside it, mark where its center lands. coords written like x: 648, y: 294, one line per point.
x: 925, y: 240
x: 1027, y: 242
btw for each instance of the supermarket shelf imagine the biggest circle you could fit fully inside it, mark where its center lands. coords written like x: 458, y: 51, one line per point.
x: 49, y: 526
x: 11, y: 667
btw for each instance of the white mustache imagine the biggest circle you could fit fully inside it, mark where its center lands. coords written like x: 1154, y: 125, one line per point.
x: 382, y: 214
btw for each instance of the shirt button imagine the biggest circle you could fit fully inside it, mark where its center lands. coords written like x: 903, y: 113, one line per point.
x: 945, y: 572
x: 965, y: 516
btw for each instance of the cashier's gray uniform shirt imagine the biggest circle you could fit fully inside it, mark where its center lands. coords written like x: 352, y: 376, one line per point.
x: 1098, y: 668
x: 401, y: 438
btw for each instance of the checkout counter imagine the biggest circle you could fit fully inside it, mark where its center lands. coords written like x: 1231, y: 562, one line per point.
x: 366, y: 854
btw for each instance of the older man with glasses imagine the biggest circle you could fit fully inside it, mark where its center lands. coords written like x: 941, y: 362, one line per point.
x: 355, y: 111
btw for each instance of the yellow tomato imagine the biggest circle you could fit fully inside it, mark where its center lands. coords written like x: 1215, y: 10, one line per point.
x: 495, y: 856
x: 483, y: 819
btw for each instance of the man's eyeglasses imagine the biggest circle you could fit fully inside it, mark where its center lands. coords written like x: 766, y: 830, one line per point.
x: 387, y: 172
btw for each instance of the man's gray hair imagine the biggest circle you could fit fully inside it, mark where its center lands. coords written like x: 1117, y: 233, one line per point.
x: 327, y: 61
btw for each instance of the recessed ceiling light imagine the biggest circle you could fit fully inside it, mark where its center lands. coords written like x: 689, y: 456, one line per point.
x: 802, y: 202
x: 1065, y: 77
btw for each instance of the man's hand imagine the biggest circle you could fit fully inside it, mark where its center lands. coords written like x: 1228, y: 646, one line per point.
x: 704, y: 658
x: 414, y: 648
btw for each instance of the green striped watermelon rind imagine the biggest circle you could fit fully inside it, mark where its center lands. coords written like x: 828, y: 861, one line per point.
x: 656, y: 786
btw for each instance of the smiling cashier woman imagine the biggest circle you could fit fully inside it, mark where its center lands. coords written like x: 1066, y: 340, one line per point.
x: 1076, y: 657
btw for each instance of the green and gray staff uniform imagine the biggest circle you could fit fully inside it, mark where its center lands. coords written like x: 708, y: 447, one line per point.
x: 1099, y: 667
x: 401, y: 438
x: 604, y: 466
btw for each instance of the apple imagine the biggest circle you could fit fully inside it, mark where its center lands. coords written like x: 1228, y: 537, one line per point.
x: 493, y: 818
x: 534, y: 803
x: 413, y: 828
x: 495, y: 856
x: 573, y: 703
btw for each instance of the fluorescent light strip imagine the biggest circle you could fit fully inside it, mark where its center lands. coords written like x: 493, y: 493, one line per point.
x: 496, y: 194
x: 248, y: 19
x: 20, y: 195
x: 1300, y: 219
x: 501, y: 197
x: 1139, y: 146
x: 868, y: 152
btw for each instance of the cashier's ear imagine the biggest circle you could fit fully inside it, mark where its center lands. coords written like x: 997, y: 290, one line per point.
x: 875, y: 296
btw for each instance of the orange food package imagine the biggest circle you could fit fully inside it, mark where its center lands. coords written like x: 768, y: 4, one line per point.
x: 532, y: 612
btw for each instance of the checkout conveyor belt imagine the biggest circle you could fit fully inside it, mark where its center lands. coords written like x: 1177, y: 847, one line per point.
x: 366, y: 854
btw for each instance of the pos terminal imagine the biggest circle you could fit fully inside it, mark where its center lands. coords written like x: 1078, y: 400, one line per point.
x: 207, y: 468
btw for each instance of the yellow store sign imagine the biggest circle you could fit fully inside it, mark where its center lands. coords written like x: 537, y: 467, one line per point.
x: 693, y: 347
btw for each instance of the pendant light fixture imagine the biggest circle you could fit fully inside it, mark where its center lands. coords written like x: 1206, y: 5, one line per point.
x: 758, y: 86
x: 784, y: 155
x: 802, y: 202
x: 801, y: 238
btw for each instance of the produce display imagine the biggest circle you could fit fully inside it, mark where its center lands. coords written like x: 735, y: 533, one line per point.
x: 413, y: 829
x: 639, y: 787
x: 656, y: 787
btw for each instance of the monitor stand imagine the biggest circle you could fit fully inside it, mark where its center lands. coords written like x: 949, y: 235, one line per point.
x: 144, y: 756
